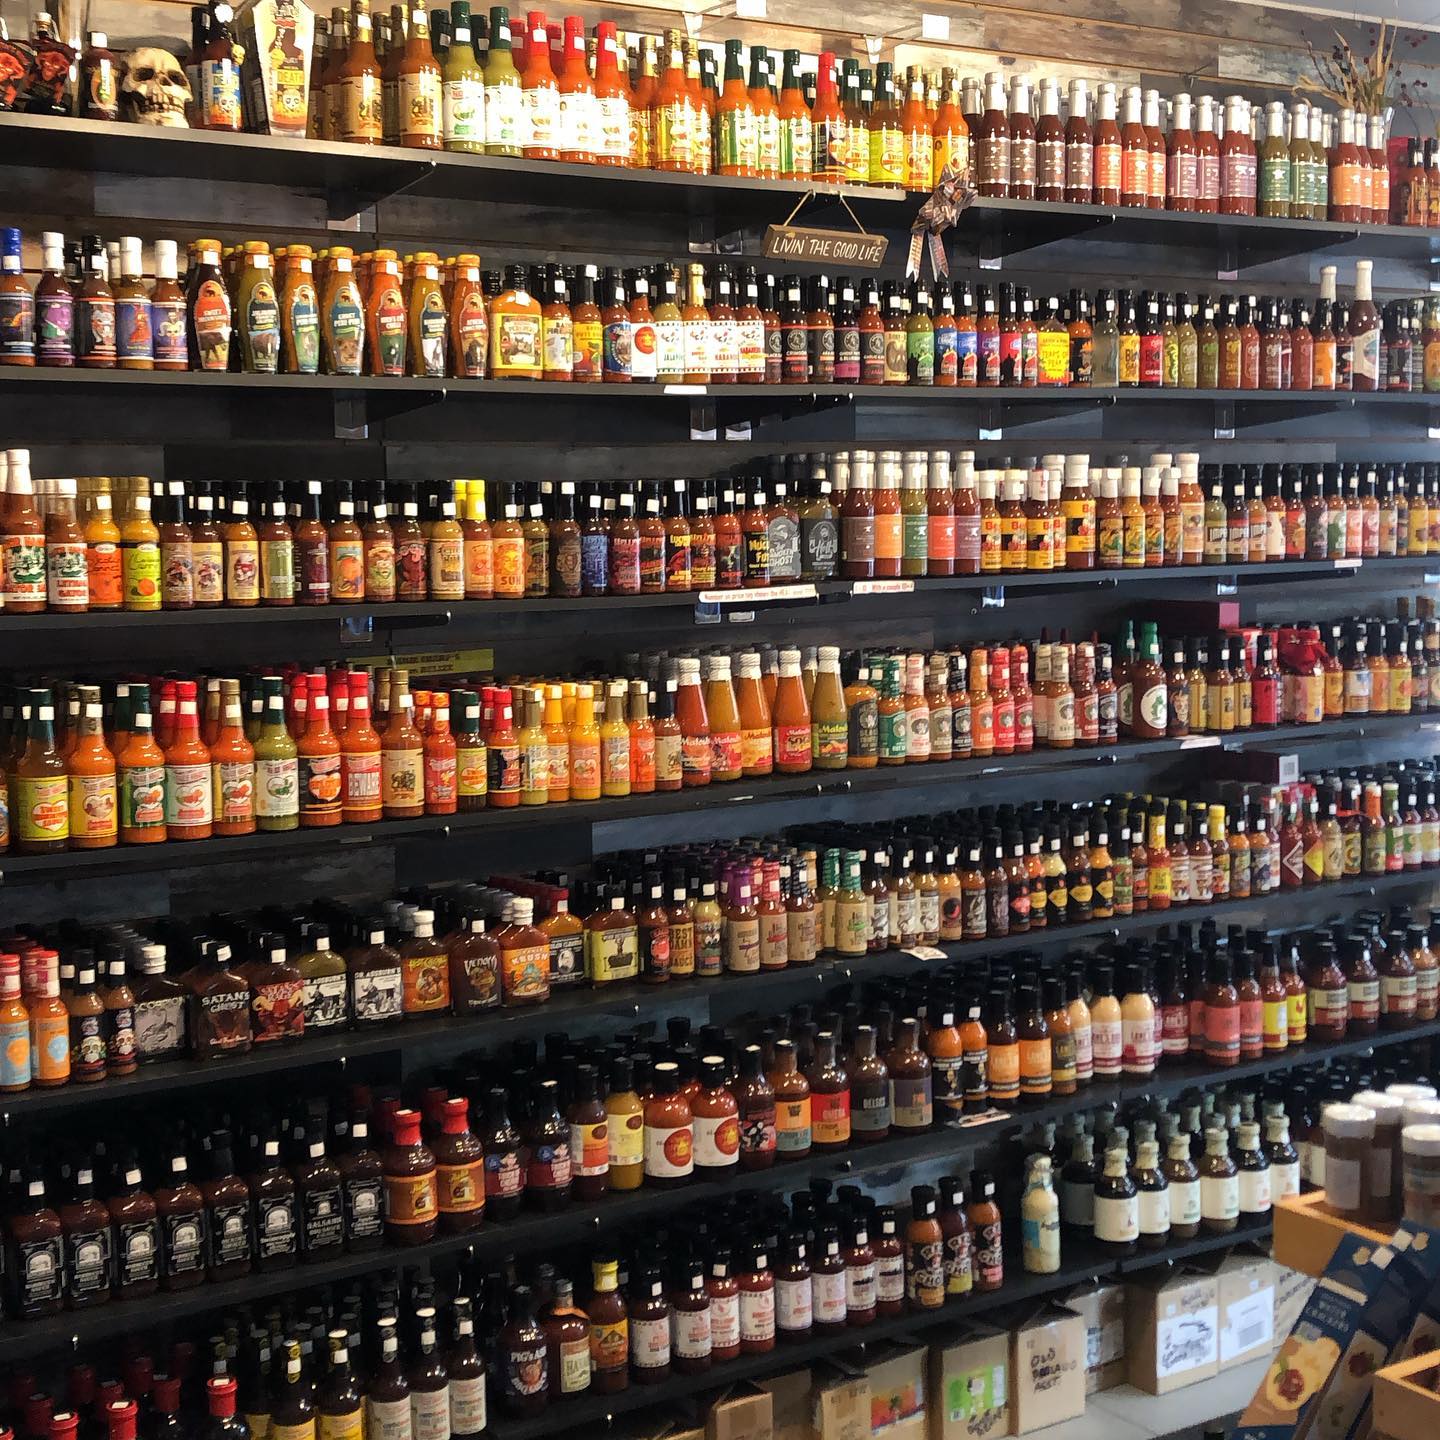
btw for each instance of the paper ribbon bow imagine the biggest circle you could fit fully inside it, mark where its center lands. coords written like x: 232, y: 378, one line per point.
x: 952, y: 194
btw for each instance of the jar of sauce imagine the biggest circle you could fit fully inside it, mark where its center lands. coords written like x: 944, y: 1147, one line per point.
x: 1349, y: 1140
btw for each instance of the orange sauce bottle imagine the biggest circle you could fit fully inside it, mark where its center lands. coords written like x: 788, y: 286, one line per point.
x: 690, y: 711
x: 726, y: 732
x: 142, y: 776
x: 92, y: 786
x: 232, y: 768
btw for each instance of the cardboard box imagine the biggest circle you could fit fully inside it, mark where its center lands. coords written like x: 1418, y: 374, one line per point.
x: 840, y: 1403
x: 1102, y: 1308
x: 969, y: 1384
x: 1247, y: 1306
x: 1407, y: 1406
x: 1307, y: 1233
x: 1047, y: 1368
x: 1172, y: 1331
x: 1292, y: 1290
x: 279, y: 41
x: 1298, y: 1384
x: 744, y: 1413
x: 790, y: 1404
x: 897, y: 1393
x: 1387, y: 1320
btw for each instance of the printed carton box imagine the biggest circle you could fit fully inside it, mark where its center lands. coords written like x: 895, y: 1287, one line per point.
x: 1047, y: 1368
x: 969, y: 1384
x: 1297, y: 1387
x: 1102, y: 1308
x: 1172, y: 1331
x: 897, y: 1394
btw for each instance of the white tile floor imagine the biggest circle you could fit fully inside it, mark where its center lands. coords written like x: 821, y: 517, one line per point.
x: 1125, y: 1413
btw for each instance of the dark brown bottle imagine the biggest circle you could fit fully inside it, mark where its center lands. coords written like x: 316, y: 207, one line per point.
x: 277, y: 1234
x: 293, y: 1411
x: 135, y: 1232
x: 227, y: 1213
x: 829, y: 1097
x: 320, y: 1199
x: 860, y: 1273
x: 959, y: 1238
x: 589, y: 1139
x: 86, y: 1226
x: 827, y: 1283
x: 504, y: 1173
x: 429, y: 1383
x: 339, y: 1407
x: 459, y: 1170
x: 180, y: 1208
x: 870, y: 1114
x: 524, y: 1365
x: 567, y: 1337
x: 467, y: 1375
x: 38, y: 1250
x: 912, y: 1094
x: 690, y: 1307
x: 756, y: 1101
x: 411, y: 1199
x: 547, y: 1141
x: 362, y: 1188
x: 219, y: 1004
x: 387, y: 1397
x: 649, y: 1329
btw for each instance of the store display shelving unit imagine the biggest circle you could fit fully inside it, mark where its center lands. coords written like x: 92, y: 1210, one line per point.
x: 236, y: 424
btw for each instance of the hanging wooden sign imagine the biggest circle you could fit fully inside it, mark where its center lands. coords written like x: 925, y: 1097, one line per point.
x: 825, y: 247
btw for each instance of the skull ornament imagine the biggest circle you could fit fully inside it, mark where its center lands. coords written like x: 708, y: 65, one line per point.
x: 155, y: 90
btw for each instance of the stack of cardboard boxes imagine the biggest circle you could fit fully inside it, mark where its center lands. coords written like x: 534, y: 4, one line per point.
x: 1028, y: 1368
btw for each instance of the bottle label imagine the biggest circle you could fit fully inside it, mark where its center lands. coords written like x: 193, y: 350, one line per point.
x: 461, y: 1188
x: 792, y: 1126
x: 830, y: 1117
x: 794, y: 1311
x: 1155, y: 1212
x: 669, y: 1151
x: 229, y: 1233
x: 410, y: 1199
x: 912, y: 1101
x: 1220, y: 1197
x: 377, y: 994
x: 757, y: 1314
x: 275, y: 1229
x: 137, y: 1253
x: 467, y: 1403
x: 334, y: 1427
x: 1117, y: 1218
x: 717, y: 1141
x: 183, y: 1237
x: 277, y: 788
x: 390, y: 1419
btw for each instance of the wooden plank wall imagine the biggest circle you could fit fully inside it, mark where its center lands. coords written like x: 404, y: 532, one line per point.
x: 1201, y: 44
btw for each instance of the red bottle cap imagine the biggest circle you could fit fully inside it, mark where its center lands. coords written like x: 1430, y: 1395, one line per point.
x: 120, y: 1417
x: 38, y: 1408
x: 63, y: 1425
x: 220, y: 1394
x: 82, y: 1385
x: 167, y: 1393
x: 456, y: 1119
x: 406, y: 1127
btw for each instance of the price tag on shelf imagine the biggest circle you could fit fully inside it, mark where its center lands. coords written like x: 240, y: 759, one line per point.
x: 750, y: 597
x: 924, y: 952
x: 1434, y: 432
x: 1200, y: 742
x: 934, y: 27
x: 884, y: 587
x: 1351, y: 562
x: 686, y: 390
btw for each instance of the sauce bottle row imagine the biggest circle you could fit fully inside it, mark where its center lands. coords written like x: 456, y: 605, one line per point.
x: 545, y: 92
x: 106, y: 544
x: 282, y: 751
x: 81, y: 1007
x: 298, y: 311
